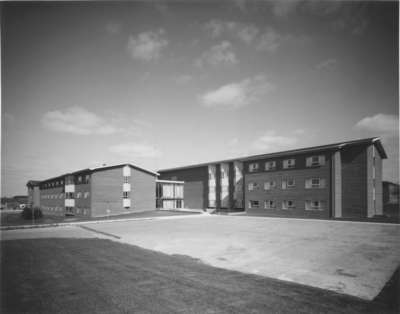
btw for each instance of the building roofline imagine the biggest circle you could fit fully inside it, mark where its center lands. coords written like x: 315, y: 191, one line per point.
x: 334, y: 146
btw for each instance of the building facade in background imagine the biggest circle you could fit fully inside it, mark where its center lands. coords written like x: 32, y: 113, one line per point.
x: 341, y: 180
x: 96, y: 192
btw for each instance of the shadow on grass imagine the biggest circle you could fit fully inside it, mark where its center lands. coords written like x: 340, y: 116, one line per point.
x: 95, y: 275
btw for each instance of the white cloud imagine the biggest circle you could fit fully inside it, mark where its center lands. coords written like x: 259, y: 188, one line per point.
x: 147, y: 46
x: 269, y: 40
x: 380, y: 123
x: 218, y: 54
x: 270, y: 141
x: 77, y: 120
x: 246, y: 32
x: 135, y: 150
x: 328, y: 64
x: 113, y: 27
x: 237, y: 95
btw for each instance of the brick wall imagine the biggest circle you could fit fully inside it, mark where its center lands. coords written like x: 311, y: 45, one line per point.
x: 143, y: 190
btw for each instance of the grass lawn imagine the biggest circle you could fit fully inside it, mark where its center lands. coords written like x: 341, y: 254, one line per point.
x: 101, y: 276
x: 13, y: 218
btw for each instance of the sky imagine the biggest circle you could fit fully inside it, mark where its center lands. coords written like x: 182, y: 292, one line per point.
x: 167, y: 84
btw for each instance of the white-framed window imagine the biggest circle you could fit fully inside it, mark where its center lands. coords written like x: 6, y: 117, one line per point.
x: 269, y: 204
x: 315, y: 183
x: 80, y: 179
x: 254, y: 204
x: 86, y: 195
x: 288, y: 204
x: 87, y: 178
x: 270, y: 165
x: 125, y: 194
x: 316, y: 160
x: 289, y: 163
x: 253, y: 167
x: 289, y: 183
x: 269, y: 185
x: 252, y: 186
x: 78, y: 195
x: 314, y: 205
x: 126, y: 179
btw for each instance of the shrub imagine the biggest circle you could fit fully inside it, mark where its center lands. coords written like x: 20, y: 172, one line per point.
x: 28, y: 211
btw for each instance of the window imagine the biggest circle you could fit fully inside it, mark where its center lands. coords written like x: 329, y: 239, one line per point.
x: 269, y: 185
x: 125, y: 194
x: 126, y: 179
x: 178, y: 203
x: 254, y: 204
x: 269, y: 204
x: 253, y: 167
x: 87, y: 178
x: 289, y: 204
x: 252, y: 186
x: 288, y: 183
x: 270, y: 165
x: 69, y: 195
x: 314, y: 205
x: 78, y: 195
x: 315, y: 183
x: 289, y: 163
x: 222, y: 175
x: 80, y: 179
x: 86, y: 195
x: 318, y: 160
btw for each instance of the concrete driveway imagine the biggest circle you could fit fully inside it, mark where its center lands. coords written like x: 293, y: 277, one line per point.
x: 347, y: 257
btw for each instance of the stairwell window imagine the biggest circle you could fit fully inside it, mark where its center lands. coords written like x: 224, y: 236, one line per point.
x: 125, y: 195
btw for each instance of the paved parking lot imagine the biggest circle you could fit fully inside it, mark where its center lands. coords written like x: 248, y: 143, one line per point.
x: 346, y: 257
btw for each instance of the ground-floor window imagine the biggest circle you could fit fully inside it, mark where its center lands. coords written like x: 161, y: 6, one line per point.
x: 314, y: 205
x: 269, y: 204
x: 178, y: 203
x: 254, y: 204
x: 288, y: 204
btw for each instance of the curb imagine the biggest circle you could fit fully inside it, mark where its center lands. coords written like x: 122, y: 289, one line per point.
x: 63, y: 224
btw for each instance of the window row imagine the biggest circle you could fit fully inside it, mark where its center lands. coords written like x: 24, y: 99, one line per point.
x: 53, y: 184
x: 288, y: 204
x: 311, y: 183
x: 312, y: 161
x: 67, y: 195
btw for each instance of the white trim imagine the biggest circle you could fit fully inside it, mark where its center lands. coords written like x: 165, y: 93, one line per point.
x: 170, y: 181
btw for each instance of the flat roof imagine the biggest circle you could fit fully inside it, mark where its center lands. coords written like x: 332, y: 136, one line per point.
x: 334, y: 146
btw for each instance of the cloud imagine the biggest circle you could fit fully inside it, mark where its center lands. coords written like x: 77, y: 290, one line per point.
x: 385, y: 124
x: 245, y: 32
x: 183, y: 79
x: 77, y: 120
x: 218, y: 54
x: 113, y: 27
x: 283, y: 8
x: 237, y: 95
x: 269, y: 40
x: 328, y: 64
x: 147, y: 46
x: 270, y: 141
x: 135, y: 150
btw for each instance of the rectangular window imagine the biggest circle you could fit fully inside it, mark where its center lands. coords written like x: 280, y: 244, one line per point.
x: 317, y: 160
x: 125, y: 194
x: 126, y: 179
x: 80, y: 179
x: 270, y: 165
x: 289, y: 204
x: 269, y: 185
x: 69, y: 195
x: 178, y: 203
x: 254, y: 204
x: 252, y: 186
x: 314, y: 205
x: 288, y: 183
x: 253, y: 167
x: 269, y: 204
x: 222, y: 175
x: 315, y: 183
x: 289, y: 163
x: 87, y: 178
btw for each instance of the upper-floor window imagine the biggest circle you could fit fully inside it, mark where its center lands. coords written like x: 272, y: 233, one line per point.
x: 253, y: 167
x: 80, y: 179
x: 270, y: 165
x: 87, y: 178
x: 288, y: 183
x: 222, y: 174
x: 289, y: 163
x: 314, y: 205
x: 78, y: 195
x: 252, y: 185
x: 314, y: 183
x: 269, y: 185
x: 317, y: 160
x: 69, y: 195
x: 269, y: 204
x: 86, y: 195
x: 126, y: 179
x: 125, y: 194
x: 288, y: 204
